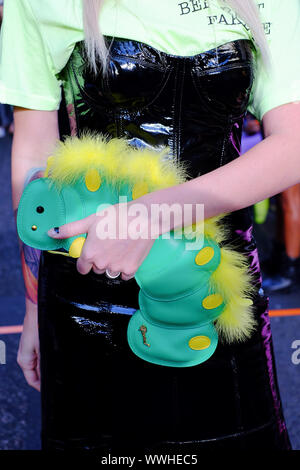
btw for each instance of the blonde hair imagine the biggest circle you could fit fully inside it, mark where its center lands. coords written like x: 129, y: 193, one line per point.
x: 95, y: 44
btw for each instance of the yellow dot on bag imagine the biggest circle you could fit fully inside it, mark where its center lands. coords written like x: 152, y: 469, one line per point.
x: 197, y: 343
x: 212, y: 301
x: 204, y: 256
x: 139, y: 189
x: 246, y: 302
x: 76, y: 247
x: 92, y: 180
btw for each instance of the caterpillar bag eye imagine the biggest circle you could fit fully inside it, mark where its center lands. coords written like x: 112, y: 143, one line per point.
x: 192, y: 291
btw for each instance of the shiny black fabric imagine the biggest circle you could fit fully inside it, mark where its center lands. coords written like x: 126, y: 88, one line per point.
x: 96, y: 393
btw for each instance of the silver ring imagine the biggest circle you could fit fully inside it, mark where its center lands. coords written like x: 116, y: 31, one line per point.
x: 110, y: 276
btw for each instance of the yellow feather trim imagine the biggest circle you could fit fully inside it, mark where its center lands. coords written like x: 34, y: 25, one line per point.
x: 74, y: 157
x: 233, y: 281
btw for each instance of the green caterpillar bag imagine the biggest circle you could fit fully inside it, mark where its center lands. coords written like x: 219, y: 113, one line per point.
x: 188, y: 298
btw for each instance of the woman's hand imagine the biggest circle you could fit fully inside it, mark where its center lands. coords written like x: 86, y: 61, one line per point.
x: 118, y: 239
x: 29, y: 350
x: 36, y: 134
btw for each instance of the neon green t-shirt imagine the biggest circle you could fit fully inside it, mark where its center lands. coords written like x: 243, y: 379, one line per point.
x: 38, y: 37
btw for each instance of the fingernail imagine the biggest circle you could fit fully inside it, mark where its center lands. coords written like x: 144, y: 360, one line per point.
x: 53, y: 232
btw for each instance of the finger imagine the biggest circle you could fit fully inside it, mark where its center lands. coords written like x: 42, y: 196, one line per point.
x: 135, y: 258
x: 126, y: 277
x: 143, y: 251
x: 83, y: 265
x: 112, y: 272
x: 98, y: 271
x: 32, y: 378
x: 72, y: 229
x: 38, y: 367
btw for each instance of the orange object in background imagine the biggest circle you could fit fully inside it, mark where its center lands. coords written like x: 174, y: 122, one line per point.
x: 290, y: 202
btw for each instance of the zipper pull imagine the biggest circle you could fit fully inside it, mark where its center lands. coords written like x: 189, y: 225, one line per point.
x: 143, y: 330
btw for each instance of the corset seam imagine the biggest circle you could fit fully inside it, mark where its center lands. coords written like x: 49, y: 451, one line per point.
x: 137, y: 60
x: 237, y: 393
x: 225, y: 141
x: 144, y: 46
x: 243, y: 433
x: 223, y: 68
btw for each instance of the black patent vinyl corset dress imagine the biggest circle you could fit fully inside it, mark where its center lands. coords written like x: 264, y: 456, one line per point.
x: 96, y: 394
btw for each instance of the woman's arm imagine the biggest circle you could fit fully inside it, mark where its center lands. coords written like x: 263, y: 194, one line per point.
x: 36, y: 133
x: 267, y: 169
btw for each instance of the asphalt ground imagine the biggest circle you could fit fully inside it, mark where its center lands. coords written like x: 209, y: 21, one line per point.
x: 20, y: 405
